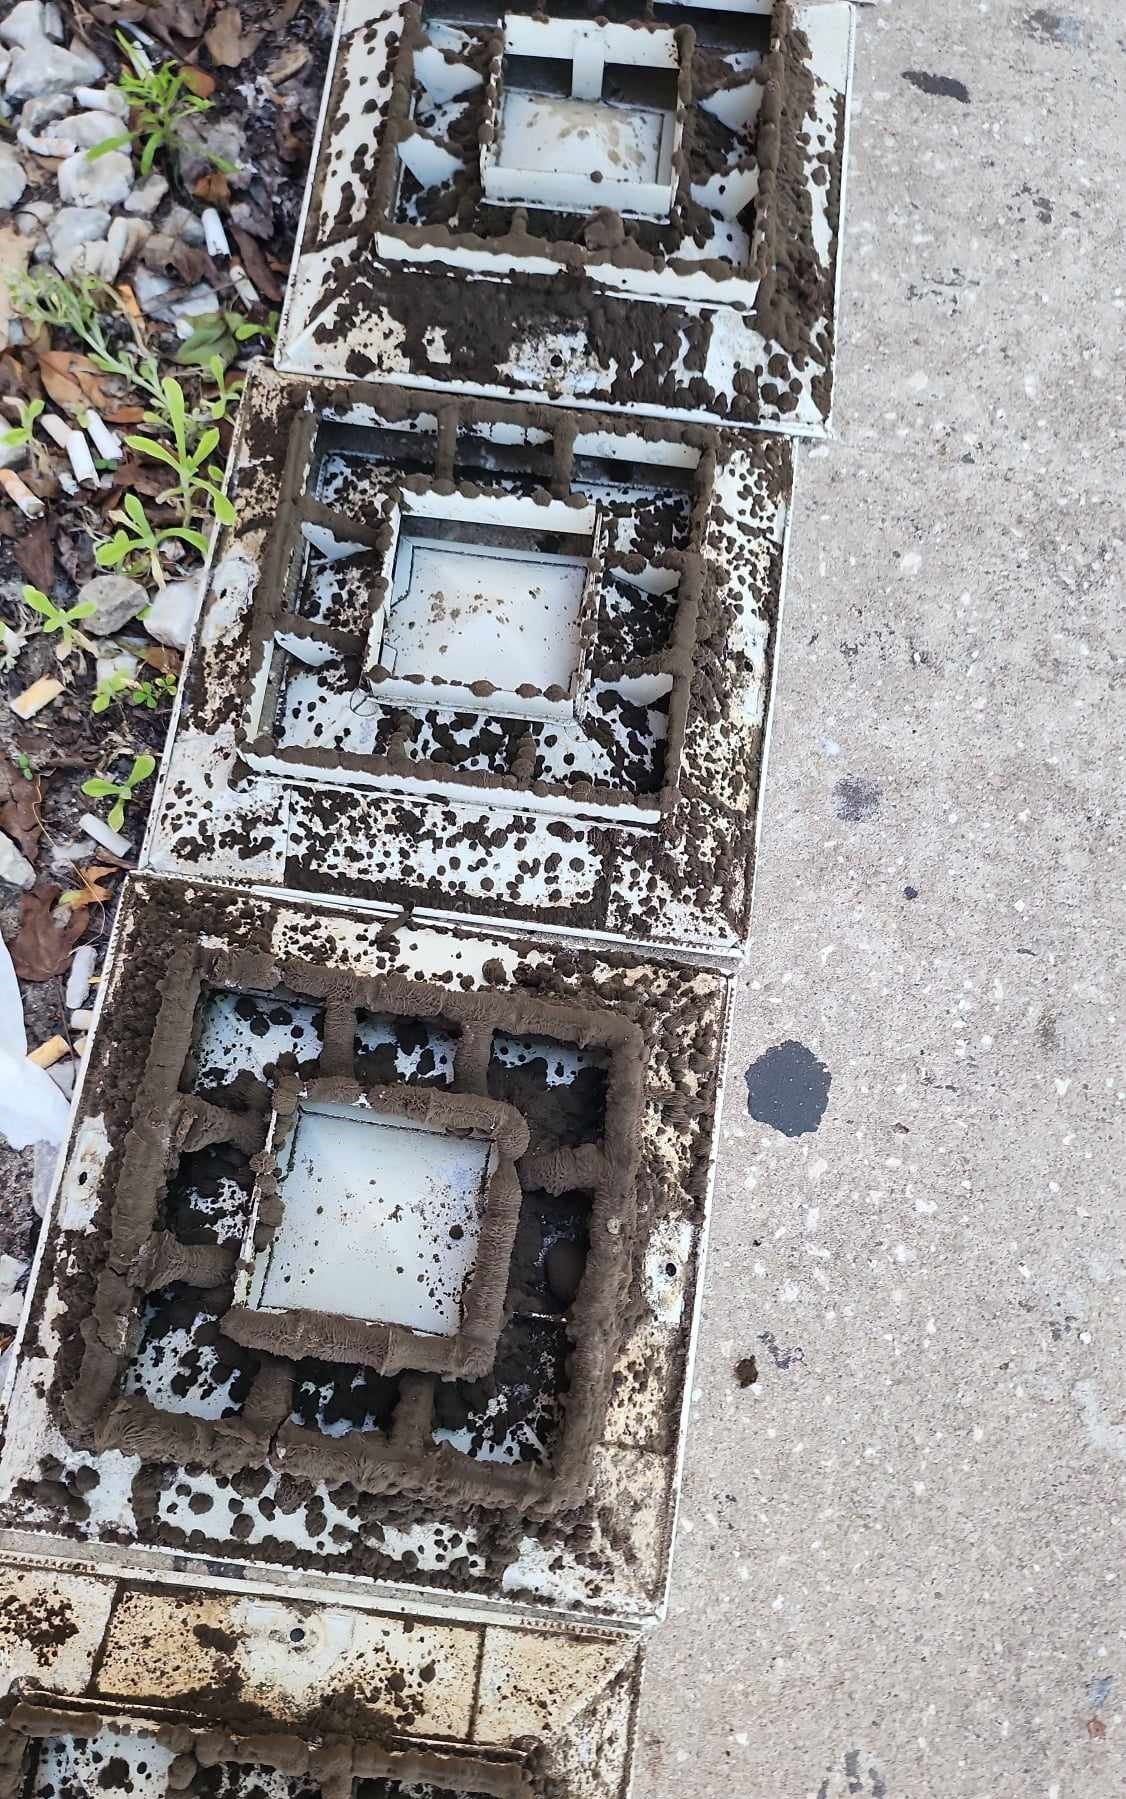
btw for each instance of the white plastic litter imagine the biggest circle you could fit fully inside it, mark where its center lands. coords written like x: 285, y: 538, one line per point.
x: 32, y: 1110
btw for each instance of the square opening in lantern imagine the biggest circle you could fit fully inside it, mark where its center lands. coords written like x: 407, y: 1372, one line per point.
x: 490, y: 603
x: 583, y: 115
x: 381, y: 1228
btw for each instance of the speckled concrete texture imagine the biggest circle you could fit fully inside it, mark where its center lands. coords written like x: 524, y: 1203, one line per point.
x: 901, y: 1568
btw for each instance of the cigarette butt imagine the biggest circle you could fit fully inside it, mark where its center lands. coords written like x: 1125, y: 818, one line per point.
x: 110, y: 840
x: 81, y: 976
x: 50, y: 1052
x: 66, y: 481
x: 214, y: 235
x: 29, y: 503
x: 56, y: 428
x: 106, y: 442
x: 244, y: 286
x: 80, y: 1045
x: 82, y: 1019
x: 39, y: 694
x: 81, y: 460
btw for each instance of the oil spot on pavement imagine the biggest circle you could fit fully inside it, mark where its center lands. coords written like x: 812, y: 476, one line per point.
x: 944, y: 86
x: 746, y: 1371
x: 788, y: 1089
x: 855, y: 799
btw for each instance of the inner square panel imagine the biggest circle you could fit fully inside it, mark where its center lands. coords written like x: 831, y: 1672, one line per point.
x: 585, y: 117
x: 465, y: 606
x: 381, y: 1220
x: 491, y: 600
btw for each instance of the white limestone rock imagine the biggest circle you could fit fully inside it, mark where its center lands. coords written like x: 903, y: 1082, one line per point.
x: 170, y: 617
x: 45, y: 68
x: 13, y: 180
x: 99, y: 181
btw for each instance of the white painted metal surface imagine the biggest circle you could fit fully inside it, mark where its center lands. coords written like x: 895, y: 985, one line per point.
x: 359, y: 300
x: 381, y: 1220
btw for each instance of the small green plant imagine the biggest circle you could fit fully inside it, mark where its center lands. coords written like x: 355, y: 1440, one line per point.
x: 23, y: 763
x: 228, y: 393
x: 150, y: 693
x: 136, y: 543
x: 55, y: 619
x: 196, y: 488
x: 29, y: 411
x: 160, y: 104
x: 218, y: 337
x: 120, y: 791
x: 81, y: 305
x: 109, y: 688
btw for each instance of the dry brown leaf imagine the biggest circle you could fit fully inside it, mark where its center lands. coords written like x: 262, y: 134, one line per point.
x: 186, y: 260
x: 93, y: 891
x: 72, y: 380
x: 162, y: 657
x: 41, y: 948
x: 15, y: 378
x: 292, y: 138
x: 76, y: 555
x: 20, y: 800
x: 120, y: 12
x: 199, y: 80
x: 35, y: 553
x: 213, y: 188
x: 138, y: 477
x: 227, y: 42
x: 122, y: 415
x: 185, y: 18
x: 290, y: 63
x: 256, y: 265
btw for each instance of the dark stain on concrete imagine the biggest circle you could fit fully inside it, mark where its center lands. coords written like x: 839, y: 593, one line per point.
x: 788, y: 1089
x: 746, y: 1371
x: 855, y: 1779
x: 1047, y: 1035
x: 1060, y: 27
x: 782, y: 1358
x: 855, y: 799
x: 910, y: 893
x: 944, y: 86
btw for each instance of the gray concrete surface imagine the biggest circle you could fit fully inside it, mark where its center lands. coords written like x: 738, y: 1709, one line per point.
x: 901, y: 1570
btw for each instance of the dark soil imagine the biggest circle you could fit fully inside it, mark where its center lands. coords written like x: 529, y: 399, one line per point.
x: 66, y: 743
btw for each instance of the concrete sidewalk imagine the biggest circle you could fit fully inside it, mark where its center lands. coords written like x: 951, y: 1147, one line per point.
x: 901, y: 1563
